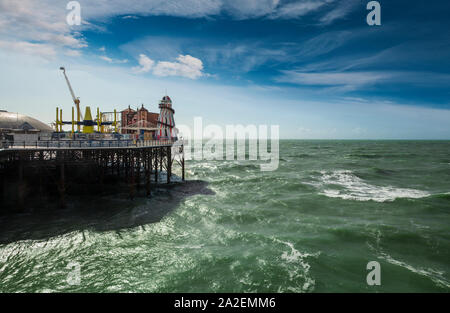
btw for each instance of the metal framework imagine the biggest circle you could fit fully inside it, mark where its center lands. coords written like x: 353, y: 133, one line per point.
x: 136, y: 165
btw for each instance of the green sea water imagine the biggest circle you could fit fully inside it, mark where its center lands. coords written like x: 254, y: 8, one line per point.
x: 310, y: 226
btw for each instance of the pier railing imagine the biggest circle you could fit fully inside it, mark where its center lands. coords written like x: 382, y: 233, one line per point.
x: 77, y: 144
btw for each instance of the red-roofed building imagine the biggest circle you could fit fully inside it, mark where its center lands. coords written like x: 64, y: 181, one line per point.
x: 139, y: 122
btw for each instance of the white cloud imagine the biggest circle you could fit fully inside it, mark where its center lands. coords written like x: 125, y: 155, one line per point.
x: 103, y: 49
x: 105, y: 58
x: 110, y: 60
x: 44, y: 22
x: 342, y: 9
x: 145, y: 64
x: 38, y: 49
x: 187, y: 8
x: 332, y: 78
x: 249, y: 8
x: 133, y: 9
x: 237, y: 9
x: 184, y: 66
x: 349, y: 81
x: 37, y: 22
x: 132, y: 17
x: 298, y: 9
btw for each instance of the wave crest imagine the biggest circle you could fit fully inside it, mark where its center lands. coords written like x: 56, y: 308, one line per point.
x: 345, y: 185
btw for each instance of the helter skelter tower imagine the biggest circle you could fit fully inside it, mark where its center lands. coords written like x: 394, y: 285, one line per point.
x: 166, y: 122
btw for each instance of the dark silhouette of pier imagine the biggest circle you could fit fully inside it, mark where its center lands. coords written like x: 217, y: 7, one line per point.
x: 60, y: 167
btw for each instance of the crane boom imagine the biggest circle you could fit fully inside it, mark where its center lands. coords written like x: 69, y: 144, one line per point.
x: 75, y: 99
x: 68, y: 84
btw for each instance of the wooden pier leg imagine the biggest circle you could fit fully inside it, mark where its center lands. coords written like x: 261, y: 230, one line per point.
x: 182, y: 168
x: 138, y: 170
x: 41, y: 185
x: 101, y: 164
x: 117, y: 163
x: 132, y: 169
x: 127, y: 163
x: 156, y: 165
x: 61, y: 186
x: 182, y: 163
x: 21, y: 187
x: 147, y: 163
x: 169, y: 164
x: 41, y: 178
x: 160, y: 159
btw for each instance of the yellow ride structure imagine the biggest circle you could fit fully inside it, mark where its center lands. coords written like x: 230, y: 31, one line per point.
x: 87, y: 122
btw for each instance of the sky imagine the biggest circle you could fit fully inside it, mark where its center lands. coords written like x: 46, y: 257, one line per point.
x: 315, y: 68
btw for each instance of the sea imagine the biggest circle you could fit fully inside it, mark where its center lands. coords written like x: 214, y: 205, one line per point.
x: 312, y: 225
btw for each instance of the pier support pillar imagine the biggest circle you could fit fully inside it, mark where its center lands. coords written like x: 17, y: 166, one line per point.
x: 21, y: 186
x: 118, y: 163
x: 169, y: 163
x: 156, y: 166
x: 148, y: 167
x: 160, y: 159
x: 138, y: 170
x: 131, y: 178
x: 182, y: 167
x: 61, y: 186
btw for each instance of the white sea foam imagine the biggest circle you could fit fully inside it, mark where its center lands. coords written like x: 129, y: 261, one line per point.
x: 434, y: 275
x: 351, y: 187
x: 297, y: 268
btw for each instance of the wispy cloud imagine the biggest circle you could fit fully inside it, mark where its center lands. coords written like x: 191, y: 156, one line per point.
x: 130, y: 17
x: 349, y: 80
x: 235, y: 56
x: 341, y: 10
x: 237, y: 9
x: 325, y: 43
x: 249, y: 8
x: 37, y: 24
x: 186, y: 8
x: 298, y: 9
x: 38, y: 49
x: 358, y: 80
x: 44, y: 22
x: 111, y: 60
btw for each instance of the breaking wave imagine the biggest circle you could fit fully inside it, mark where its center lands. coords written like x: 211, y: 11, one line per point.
x: 298, y: 268
x: 345, y: 185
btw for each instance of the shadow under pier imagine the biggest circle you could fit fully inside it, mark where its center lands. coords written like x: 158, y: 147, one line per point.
x: 98, y: 212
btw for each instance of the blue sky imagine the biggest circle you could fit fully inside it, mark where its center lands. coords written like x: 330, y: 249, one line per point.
x: 313, y: 67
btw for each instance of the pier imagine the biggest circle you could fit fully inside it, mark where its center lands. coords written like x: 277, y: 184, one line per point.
x: 138, y: 163
x: 134, y: 148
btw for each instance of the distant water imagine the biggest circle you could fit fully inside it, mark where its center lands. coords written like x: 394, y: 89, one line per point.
x: 311, y: 226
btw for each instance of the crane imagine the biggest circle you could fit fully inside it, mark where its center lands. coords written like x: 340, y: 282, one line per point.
x: 75, y: 99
